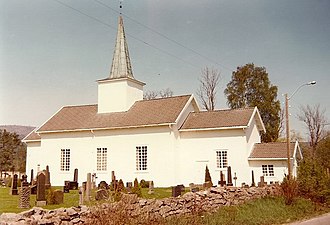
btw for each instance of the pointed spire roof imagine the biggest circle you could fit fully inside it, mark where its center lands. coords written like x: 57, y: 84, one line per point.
x: 121, y: 63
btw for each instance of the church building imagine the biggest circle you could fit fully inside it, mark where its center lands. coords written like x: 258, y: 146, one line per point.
x: 167, y: 140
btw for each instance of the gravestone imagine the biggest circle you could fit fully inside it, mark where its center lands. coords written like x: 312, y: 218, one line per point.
x: 31, y: 178
x: 253, y: 183
x: 222, y: 181
x: 113, y: 177
x: 129, y: 186
x: 81, y: 195
x: 41, y: 190
x: 75, y: 175
x: 235, y: 178
x: 88, y: 187
x: 151, y: 188
x: 103, y: 185
x: 24, y: 198
x: 101, y: 194
x: 176, y: 191
x: 66, y: 188
x: 262, y: 181
x: 73, y: 185
x: 47, y: 182
x: 33, y: 189
x: 14, y: 190
x: 230, y: 181
x: 58, y: 197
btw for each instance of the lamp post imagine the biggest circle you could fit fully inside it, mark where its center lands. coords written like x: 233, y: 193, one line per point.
x: 287, y: 123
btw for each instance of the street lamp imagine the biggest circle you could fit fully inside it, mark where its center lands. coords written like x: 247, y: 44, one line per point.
x: 287, y: 123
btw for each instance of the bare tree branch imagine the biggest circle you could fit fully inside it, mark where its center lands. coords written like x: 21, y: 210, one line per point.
x: 208, y: 88
x: 158, y: 94
x: 315, y: 121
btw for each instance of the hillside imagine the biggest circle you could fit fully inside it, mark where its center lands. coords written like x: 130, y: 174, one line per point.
x: 22, y: 131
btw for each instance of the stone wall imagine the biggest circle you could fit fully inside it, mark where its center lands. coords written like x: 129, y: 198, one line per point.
x: 189, y: 203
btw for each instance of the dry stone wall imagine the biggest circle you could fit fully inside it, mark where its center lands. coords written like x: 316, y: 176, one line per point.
x: 190, y: 203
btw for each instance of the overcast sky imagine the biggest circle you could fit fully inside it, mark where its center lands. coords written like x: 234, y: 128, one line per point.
x: 51, y: 54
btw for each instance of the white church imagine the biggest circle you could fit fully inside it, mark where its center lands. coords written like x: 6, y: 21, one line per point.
x: 167, y: 140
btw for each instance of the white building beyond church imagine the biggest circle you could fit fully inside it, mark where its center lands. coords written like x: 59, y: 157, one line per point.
x: 167, y: 140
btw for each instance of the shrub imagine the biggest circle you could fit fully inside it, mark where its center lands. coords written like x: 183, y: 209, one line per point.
x: 136, y: 188
x: 313, y: 181
x: 290, y: 189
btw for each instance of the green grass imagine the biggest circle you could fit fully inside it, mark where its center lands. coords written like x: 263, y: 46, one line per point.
x: 9, y: 203
x: 265, y: 211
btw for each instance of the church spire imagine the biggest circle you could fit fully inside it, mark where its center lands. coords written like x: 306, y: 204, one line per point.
x: 121, y: 63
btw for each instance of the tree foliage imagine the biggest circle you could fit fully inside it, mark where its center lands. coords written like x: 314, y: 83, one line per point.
x: 208, y: 88
x: 12, y: 152
x: 314, y: 171
x: 250, y: 87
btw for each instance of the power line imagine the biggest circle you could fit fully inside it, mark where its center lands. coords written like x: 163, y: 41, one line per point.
x: 164, y: 36
x: 132, y: 36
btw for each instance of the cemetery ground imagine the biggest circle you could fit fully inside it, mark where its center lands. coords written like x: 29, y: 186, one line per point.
x: 269, y: 210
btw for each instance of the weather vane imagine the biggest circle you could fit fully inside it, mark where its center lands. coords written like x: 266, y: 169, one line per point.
x: 120, y: 5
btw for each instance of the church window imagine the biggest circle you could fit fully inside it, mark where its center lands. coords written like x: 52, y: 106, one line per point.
x: 101, y: 159
x: 141, y: 158
x: 65, y: 159
x: 268, y: 170
x: 222, y: 161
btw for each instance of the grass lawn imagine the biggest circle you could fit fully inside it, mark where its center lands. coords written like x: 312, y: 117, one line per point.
x: 9, y: 203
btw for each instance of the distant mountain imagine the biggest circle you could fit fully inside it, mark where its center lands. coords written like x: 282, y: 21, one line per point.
x: 22, y: 131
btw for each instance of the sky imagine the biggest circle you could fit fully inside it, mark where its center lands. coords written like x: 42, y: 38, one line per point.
x: 52, y: 52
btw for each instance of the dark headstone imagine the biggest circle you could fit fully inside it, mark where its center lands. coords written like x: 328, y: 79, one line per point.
x: 58, y: 197
x: 31, y: 178
x: 73, y: 185
x: 222, y: 181
x: 262, y: 181
x: 66, y: 188
x: 129, y: 186
x: 47, y: 180
x: 75, y: 175
x: 113, y: 177
x: 181, y: 186
x: 101, y: 194
x: 33, y: 189
x: 253, y: 183
x: 14, y: 190
x: 230, y: 181
x: 103, y: 185
x: 176, y: 191
x: 41, y: 189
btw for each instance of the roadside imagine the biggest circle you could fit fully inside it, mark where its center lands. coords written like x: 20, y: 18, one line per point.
x: 320, y: 220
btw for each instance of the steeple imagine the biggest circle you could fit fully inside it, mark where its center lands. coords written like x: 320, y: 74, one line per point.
x: 121, y: 63
x: 119, y: 91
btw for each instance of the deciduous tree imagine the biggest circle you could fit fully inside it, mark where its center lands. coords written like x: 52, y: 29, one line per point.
x: 9, y: 147
x: 250, y: 87
x: 207, y: 91
x: 315, y: 121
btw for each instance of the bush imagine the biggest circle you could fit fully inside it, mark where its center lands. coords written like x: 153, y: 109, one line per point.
x: 136, y: 188
x: 290, y: 189
x: 314, y: 183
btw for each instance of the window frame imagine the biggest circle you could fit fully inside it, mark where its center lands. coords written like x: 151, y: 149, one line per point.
x: 101, y: 159
x: 221, y: 159
x: 141, y: 158
x: 65, y: 160
x: 268, y: 170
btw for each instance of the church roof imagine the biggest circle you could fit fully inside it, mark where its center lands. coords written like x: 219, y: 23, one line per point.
x: 121, y: 63
x: 221, y: 119
x: 142, y: 113
x: 273, y: 150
